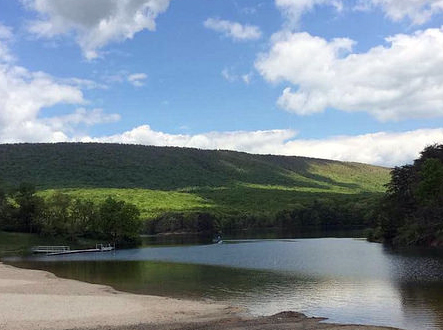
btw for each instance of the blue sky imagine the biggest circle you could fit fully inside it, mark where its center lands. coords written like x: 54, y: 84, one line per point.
x: 348, y: 80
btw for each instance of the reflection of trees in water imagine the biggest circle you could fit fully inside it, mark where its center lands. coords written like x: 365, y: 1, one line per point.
x: 423, y: 300
x: 158, y: 278
x: 418, y: 273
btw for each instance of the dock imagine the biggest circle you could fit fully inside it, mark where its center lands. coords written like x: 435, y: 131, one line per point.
x: 60, y: 250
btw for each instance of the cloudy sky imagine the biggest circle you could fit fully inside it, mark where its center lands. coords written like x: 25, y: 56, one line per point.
x: 355, y: 80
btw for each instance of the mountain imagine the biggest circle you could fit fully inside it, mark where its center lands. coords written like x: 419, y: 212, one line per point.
x: 183, y: 179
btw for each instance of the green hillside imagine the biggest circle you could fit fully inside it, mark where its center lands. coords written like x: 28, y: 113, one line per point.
x: 161, y: 179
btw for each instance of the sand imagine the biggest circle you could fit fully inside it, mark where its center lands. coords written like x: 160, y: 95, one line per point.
x: 38, y: 300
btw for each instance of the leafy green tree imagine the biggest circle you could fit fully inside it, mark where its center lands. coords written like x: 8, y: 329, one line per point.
x: 6, y: 209
x: 412, y: 209
x: 430, y: 186
x: 59, y: 218
x: 119, y: 221
x: 29, y: 208
x: 85, y: 217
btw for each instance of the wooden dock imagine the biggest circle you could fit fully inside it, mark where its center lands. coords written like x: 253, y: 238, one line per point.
x: 50, y: 249
x: 59, y: 250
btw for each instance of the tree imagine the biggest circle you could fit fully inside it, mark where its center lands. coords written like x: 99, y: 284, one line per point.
x: 85, y: 218
x: 5, y: 209
x: 119, y: 221
x: 29, y: 208
x: 412, y: 208
x: 430, y: 186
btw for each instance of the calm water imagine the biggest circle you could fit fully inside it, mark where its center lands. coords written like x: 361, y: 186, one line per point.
x: 347, y: 280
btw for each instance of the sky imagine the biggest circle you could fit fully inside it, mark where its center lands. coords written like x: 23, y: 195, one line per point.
x: 351, y: 80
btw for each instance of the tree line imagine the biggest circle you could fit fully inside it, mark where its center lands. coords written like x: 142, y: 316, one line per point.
x: 326, y: 213
x: 59, y: 215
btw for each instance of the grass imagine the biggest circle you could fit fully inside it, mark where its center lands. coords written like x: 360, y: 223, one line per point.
x: 151, y: 203
x: 251, y: 199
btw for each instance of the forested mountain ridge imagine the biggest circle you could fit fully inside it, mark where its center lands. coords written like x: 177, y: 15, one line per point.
x: 179, y: 189
x: 95, y: 165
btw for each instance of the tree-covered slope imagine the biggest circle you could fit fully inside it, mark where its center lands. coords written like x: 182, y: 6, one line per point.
x: 94, y: 165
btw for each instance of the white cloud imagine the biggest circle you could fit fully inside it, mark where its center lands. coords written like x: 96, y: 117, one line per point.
x: 22, y: 103
x: 383, y: 148
x: 387, y: 149
x: 247, y: 78
x: 96, y: 23
x: 417, y: 11
x: 255, y: 141
x: 137, y: 79
x: 5, y: 37
x: 233, y: 30
x: 230, y: 76
x: 226, y: 73
x: 25, y: 94
x: 403, y: 79
x: 83, y: 83
x: 294, y: 9
x: 68, y: 123
x: 5, y: 32
x: 123, y: 76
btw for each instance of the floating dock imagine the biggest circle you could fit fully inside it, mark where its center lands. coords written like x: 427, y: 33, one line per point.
x: 59, y: 250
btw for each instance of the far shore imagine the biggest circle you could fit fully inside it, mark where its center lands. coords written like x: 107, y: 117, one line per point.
x: 38, y: 300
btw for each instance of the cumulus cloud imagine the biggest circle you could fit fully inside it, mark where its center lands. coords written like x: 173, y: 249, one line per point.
x: 383, y: 148
x: 403, y: 79
x: 25, y: 94
x: 417, y: 11
x: 137, y: 79
x: 233, y: 30
x: 94, y: 23
x: 22, y: 103
x: 239, y: 140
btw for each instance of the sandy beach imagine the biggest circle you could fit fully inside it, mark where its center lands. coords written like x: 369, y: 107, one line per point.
x: 32, y: 299
x: 38, y: 300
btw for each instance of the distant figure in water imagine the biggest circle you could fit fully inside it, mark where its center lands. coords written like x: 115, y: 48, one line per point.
x: 218, y: 239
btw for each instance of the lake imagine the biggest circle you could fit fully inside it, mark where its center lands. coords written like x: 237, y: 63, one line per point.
x: 347, y: 280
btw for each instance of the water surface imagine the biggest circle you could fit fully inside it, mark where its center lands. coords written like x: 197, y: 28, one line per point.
x: 347, y: 280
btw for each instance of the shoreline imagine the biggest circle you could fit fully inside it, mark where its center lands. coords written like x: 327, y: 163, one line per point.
x: 39, y: 300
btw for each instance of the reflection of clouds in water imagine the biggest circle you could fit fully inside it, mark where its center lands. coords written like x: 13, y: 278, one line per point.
x: 366, y: 302
x: 347, y: 280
